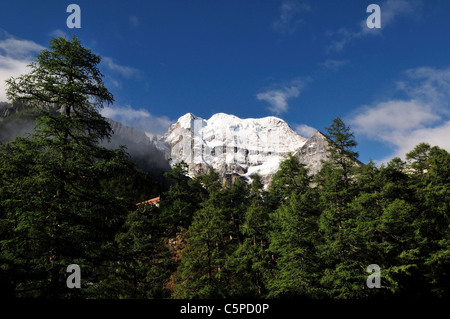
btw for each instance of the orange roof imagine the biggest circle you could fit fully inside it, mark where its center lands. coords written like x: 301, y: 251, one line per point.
x: 152, y: 201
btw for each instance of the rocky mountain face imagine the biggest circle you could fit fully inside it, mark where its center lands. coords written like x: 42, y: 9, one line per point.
x: 240, y: 147
x: 313, y: 152
x: 235, y: 147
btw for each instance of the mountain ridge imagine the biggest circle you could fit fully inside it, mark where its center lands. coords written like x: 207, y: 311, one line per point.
x: 235, y: 147
x: 240, y: 147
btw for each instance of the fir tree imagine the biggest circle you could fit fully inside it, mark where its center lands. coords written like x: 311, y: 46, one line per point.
x: 145, y: 262
x: 342, y: 273
x: 248, y: 263
x: 182, y: 199
x: 55, y: 209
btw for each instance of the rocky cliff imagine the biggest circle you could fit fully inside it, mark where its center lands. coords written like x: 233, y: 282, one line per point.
x: 240, y: 147
x: 313, y: 152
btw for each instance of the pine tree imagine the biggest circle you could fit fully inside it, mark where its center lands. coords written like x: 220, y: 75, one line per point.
x: 207, y: 268
x: 292, y: 176
x: 55, y: 209
x: 145, y: 263
x: 248, y: 263
x: 200, y: 273
x: 342, y: 274
x: 294, y: 238
x: 182, y: 199
x: 418, y: 158
x: 431, y: 186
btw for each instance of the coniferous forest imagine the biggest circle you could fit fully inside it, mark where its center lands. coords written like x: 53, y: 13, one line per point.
x: 65, y: 200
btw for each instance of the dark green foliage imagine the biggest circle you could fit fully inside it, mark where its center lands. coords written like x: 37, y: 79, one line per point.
x: 314, y: 237
x: 145, y: 264
x: 57, y: 204
x: 210, y: 240
x: 292, y: 177
x: 181, y: 200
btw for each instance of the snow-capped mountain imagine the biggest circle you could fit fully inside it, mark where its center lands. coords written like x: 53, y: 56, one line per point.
x: 235, y: 146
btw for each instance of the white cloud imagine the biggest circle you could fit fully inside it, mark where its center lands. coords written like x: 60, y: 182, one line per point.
x: 19, y: 49
x: 15, y: 56
x: 428, y: 84
x: 397, y: 115
x: 304, y: 130
x: 138, y: 118
x: 390, y: 11
x: 333, y: 65
x: 288, y: 20
x: 125, y: 71
x: 423, y: 116
x: 58, y: 33
x: 435, y: 136
x: 277, y: 98
x: 10, y: 67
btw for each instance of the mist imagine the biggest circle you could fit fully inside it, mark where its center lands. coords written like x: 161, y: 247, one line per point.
x: 14, y: 124
x: 144, y: 154
x: 14, y: 121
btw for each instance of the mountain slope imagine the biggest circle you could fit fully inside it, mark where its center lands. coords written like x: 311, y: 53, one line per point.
x: 233, y: 146
x: 313, y: 152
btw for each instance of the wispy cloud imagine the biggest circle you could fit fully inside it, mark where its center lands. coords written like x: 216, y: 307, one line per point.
x: 304, y: 130
x: 15, y: 56
x: 333, y: 65
x: 428, y: 84
x: 58, y: 33
x: 122, y: 70
x: 278, y: 97
x: 138, y: 118
x: 19, y: 49
x: 423, y: 116
x: 390, y: 11
x: 133, y: 21
x: 288, y: 18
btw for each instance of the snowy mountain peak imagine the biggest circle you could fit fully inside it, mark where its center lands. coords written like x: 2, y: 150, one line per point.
x: 186, y: 120
x: 232, y: 145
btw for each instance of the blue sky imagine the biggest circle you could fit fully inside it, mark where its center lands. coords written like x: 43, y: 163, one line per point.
x: 304, y: 61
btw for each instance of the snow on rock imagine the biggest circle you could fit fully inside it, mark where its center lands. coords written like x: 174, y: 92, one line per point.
x: 313, y: 152
x: 233, y: 146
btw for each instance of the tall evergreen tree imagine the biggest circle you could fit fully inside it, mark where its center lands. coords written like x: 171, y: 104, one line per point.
x: 342, y: 275
x: 200, y: 273
x: 291, y: 177
x: 182, y: 199
x: 430, y: 183
x: 248, y: 263
x: 144, y: 261
x: 55, y: 209
x: 294, y: 239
